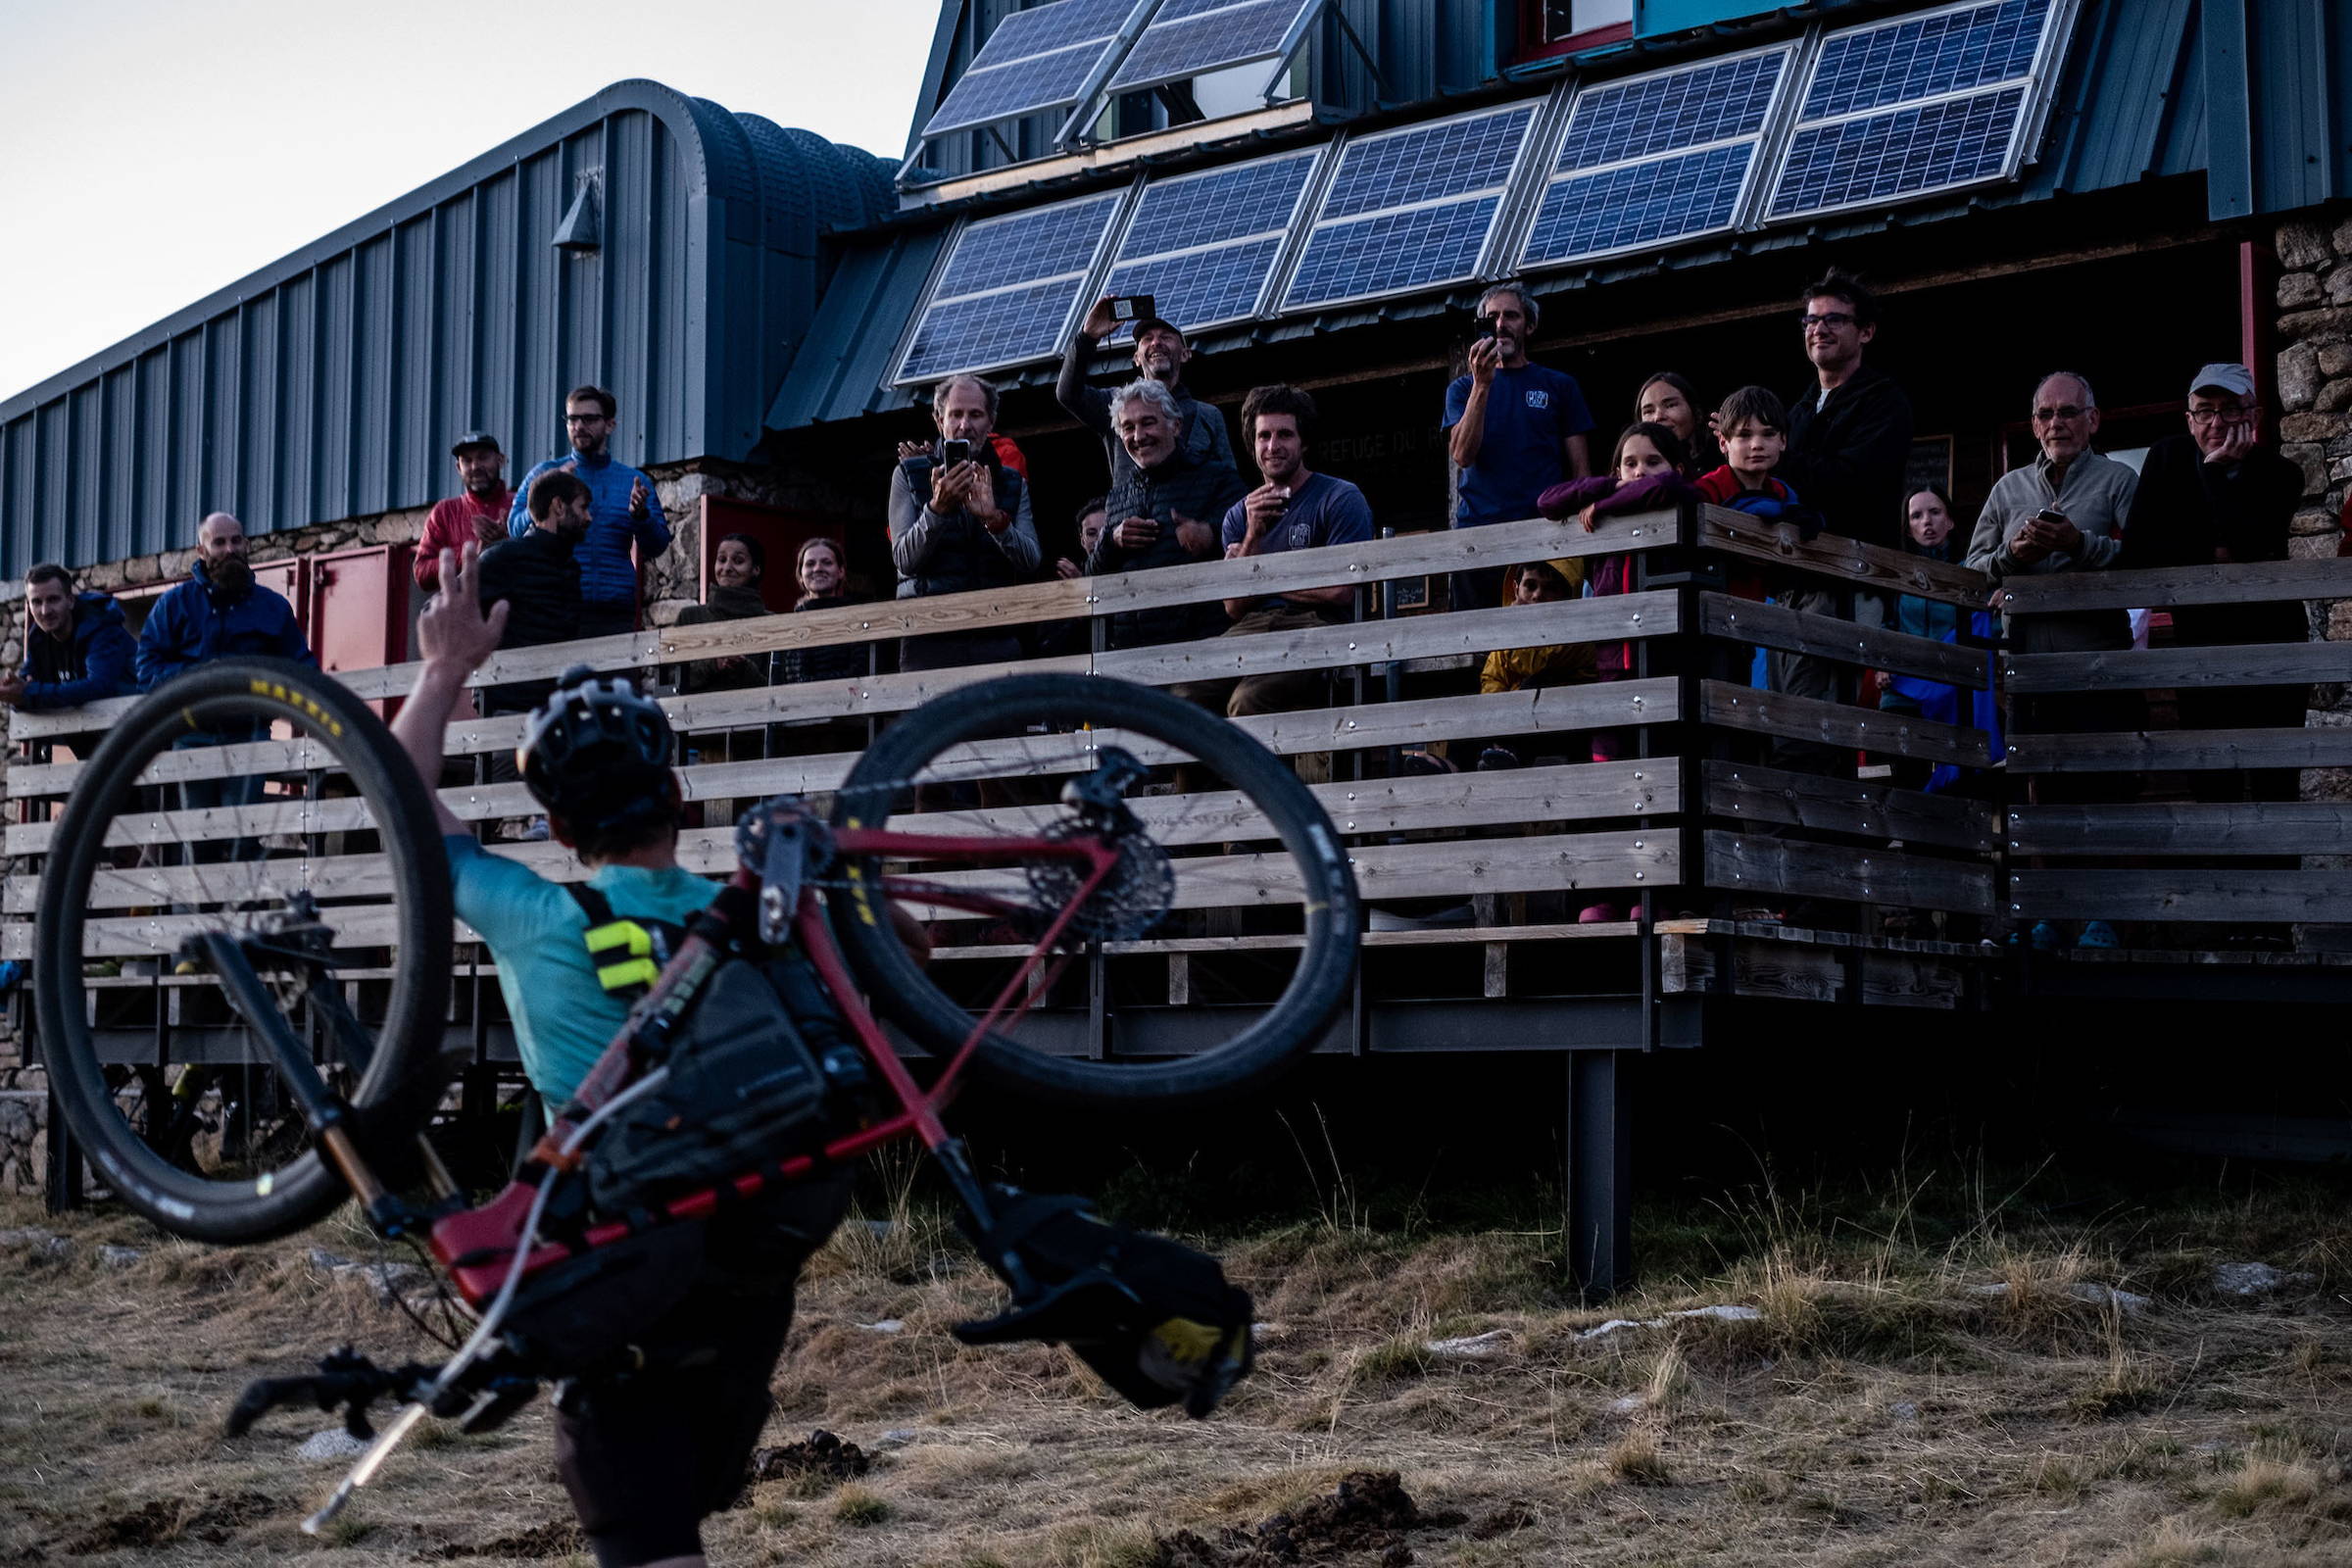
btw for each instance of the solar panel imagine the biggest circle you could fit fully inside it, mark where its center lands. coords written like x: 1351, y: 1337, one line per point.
x: 1202, y: 244
x: 1188, y: 37
x: 1924, y: 103
x: 1009, y: 288
x: 1655, y: 158
x: 1035, y: 60
x: 1410, y: 209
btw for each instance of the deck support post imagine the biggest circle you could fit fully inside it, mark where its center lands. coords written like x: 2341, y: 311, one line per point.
x: 1600, y: 1227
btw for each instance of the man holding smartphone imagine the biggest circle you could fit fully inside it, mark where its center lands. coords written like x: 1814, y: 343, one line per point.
x: 1160, y: 355
x: 959, y: 520
x: 1513, y: 431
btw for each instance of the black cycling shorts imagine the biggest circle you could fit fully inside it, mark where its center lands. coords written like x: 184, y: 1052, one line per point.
x: 647, y: 1456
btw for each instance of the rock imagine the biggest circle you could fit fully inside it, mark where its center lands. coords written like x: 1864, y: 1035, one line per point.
x: 888, y: 1324
x: 1491, y: 1343
x: 822, y: 1454
x: 320, y: 1257
x: 2337, y: 285
x: 1727, y: 1315
x: 2254, y: 1279
x: 2298, y: 290
x: 2298, y: 376
x: 895, y: 1438
x: 28, y: 1237
x: 2303, y: 245
x: 1903, y: 1410
x: 2328, y: 323
x: 2341, y: 239
x: 2334, y: 396
x: 2308, y: 427
x: 2081, y: 1291
x: 2314, y: 463
x: 1626, y: 1404
x: 334, y: 1444
x: 391, y: 1281
x: 2315, y: 519
x: 119, y: 1256
x: 2336, y: 357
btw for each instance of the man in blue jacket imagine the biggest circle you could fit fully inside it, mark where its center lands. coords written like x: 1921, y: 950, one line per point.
x: 623, y: 511
x: 76, y: 649
x: 217, y: 613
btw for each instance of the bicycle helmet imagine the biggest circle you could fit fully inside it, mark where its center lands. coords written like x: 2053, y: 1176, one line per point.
x: 596, y: 755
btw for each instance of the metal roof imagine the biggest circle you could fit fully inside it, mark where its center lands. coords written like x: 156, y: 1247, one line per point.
x: 329, y: 385
x: 2134, y: 103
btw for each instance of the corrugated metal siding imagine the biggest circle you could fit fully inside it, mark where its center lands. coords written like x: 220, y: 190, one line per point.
x: 331, y: 385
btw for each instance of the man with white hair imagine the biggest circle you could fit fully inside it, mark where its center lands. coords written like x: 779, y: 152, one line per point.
x: 1159, y: 511
x: 959, y: 520
x: 1514, y: 429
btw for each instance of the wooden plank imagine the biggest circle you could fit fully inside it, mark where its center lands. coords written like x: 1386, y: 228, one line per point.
x: 1602, y: 704
x: 1436, y: 937
x: 1583, y: 792
x: 1773, y: 868
x: 1827, y: 637
x: 2161, y: 588
x: 2270, y: 897
x: 2170, y: 751
x: 1755, y: 794
x: 1874, y: 569
x: 2177, y: 827
x: 1611, y: 619
x: 1792, y: 971
x: 2148, y: 668
x: 1841, y: 725
x: 1371, y: 560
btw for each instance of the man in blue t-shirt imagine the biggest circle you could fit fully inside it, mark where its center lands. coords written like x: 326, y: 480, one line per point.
x: 1294, y: 508
x: 1514, y: 429
x: 642, y: 1459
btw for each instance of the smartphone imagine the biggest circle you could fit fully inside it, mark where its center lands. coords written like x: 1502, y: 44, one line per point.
x: 2046, y: 514
x: 1128, y: 309
x: 1486, y: 329
x: 955, y: 452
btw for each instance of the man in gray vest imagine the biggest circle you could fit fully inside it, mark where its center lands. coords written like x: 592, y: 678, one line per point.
x: 959, y: 520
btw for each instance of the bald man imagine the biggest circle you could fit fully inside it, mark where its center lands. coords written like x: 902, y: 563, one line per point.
x: 219, y: 611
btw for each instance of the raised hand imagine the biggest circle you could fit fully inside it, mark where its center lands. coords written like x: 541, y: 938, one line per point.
x: 453, y: 629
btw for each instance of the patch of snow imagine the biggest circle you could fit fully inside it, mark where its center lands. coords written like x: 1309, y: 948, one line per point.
x: 1732, y: 1313
x: 895, y: 1437
x: 119, y: 1256
x: 888, y: 1324
x: 1491, y: 1343
x: 2254, y: 1279
x: 1625, y: 1403
x: 2081, y: 1291
x: 323, y: 1447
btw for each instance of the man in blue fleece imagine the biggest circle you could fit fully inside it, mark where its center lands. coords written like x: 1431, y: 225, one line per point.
x: 217, y: 613
x: 623, y: 510
x: 75, y: 646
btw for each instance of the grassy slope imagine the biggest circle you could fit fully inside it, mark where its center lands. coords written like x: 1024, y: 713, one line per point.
x: 1884, y: 1407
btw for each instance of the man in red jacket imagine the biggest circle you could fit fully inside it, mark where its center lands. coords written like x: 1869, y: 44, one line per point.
x: 475, y: 514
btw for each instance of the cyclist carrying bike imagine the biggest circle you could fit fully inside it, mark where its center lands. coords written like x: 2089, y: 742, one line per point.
x: 645, y: 1456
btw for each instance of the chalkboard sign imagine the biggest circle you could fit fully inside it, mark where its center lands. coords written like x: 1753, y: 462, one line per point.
x: 1931, y: 463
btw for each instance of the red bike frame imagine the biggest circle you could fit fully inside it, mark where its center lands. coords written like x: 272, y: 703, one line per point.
x: 477, y: 1246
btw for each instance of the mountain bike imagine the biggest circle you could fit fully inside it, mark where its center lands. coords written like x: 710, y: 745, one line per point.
x: 253, y: 829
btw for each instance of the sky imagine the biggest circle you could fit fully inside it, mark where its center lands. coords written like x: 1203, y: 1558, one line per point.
x: 153, y: 151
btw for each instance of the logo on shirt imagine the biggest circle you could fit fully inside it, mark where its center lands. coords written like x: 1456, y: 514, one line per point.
x: 1301, y: 532
x: 1537, y: 398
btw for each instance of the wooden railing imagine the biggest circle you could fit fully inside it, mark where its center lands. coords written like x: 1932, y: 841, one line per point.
x: 1691, y: 827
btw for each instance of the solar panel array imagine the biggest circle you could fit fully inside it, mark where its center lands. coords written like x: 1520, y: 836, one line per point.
x: 1410, y: 209
x: 1008, y: 289
x: 1203, y: 245
x: 1655, y: 158
x: 1188, y: 37
x: 1902, y: 108
x: 1922, y: 103
x: 1035, y: 60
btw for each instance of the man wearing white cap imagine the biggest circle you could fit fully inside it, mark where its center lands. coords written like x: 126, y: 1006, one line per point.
x: 2213, y: 495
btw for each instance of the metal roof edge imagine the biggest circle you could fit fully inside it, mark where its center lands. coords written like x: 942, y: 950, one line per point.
x: 690, y: 120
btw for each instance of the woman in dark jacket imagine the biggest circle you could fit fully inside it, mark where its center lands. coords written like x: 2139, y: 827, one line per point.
x: 736, y: 568
x: 823, y: 578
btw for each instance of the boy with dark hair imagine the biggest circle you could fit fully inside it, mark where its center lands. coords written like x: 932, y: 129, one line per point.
x: 1752, y: 427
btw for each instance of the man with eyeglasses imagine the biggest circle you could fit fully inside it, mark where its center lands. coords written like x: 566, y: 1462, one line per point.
x: 2215, y: 495
x: 623, y: 513
x: 2063, y: 512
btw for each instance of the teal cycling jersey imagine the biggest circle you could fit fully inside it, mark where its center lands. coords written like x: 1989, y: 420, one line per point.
x: 565, y: 1015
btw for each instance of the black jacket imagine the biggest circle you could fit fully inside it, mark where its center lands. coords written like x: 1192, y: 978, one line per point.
x: 2184, y: 508
x: 1180, y: 485
x: 1848, y: 455
x: 835, y: 662
x: 538, y: 576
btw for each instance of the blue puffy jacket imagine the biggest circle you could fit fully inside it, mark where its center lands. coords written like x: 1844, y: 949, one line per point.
x: 607, y: 576
x: 97, y: 661
x: 195, y: 622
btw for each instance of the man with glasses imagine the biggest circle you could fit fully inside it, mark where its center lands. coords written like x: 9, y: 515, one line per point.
x: 2063, y: 512
x: 1849, y: 442
x: 2214, y: 494
x: 1514, y: 429
x: 623, y: 512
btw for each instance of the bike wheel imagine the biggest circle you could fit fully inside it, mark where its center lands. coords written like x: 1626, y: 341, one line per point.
x: 1226, y: 846
x: 257, y: 801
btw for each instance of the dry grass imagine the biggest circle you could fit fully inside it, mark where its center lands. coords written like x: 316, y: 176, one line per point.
x: 1884, y: 1404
